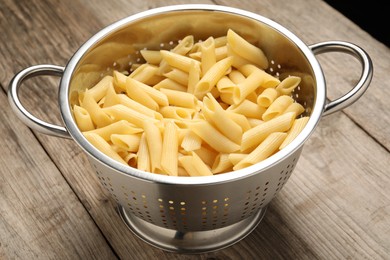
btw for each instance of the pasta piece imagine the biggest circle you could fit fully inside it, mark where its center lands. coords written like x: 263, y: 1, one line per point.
x: 154, y: 141
x: 159, y: 97
x: 235, y: 158
x: 227, y: 97
x: 179, y: 98
x: 170, y: 84
x: 296, y: 108
x: 207, y: 154
x: 128, y: 102
x: 177, y: 61
x: 248, y: 109
x: 137, y: 94
x: 296, y: 128
x: 213, y: 137
x: 220, y: 53
x: 219, y: 117
x: 180, y: 113
x: 182, y: 172
x: 119, y: 80
x: 98, y: 91
x: 103, y: 146
x: 254, y: 122
x: 208, y: 58
x: 121, y: 112
x: 240, y: 119
x: 170, y: 145
x: 191, y: 142
x: 184, y: 46
x: 246, y: 50
x: 193, y: 76
x: 266, y: 98
x: 236, y: 76
x: 143, y: 158
x: 288, y: 85
x: 226, y: 85
x: 121, y: 127
x: 254, y: 136
x: 126, y: 142
x: 98, y: 116
x: 194, y: 165
x: 211, y: 77
x: 267, y: 81
x: 151, y: 56
x: 131, y: 159
x: 269, y: 146
x: 221, y: 164
x: 177, y: 75
x: 111, y: 98
x: 277, y: 107
x: 83, y: 119
x: 147, y: 74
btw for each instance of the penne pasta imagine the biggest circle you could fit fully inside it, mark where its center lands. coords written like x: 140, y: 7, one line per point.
x: 269, y: 146
x: 211, y: 77
x: 170, y: 84
x: 208, y: 58
x: 197, y: 109
x: 154, y: 142
x: 215, y: 114
x: 178, y: 76
x: 97, y: 114
x: 121, y: 112
x: 191, y: 142
x: 254, y: 136
x: 170, y: 145
x: 151, y: 56
x: 135, y: 92
x: 127, y: 142
x: 288, y: 85
x: 248, y: 109
x: 267, y: 97
x: 99, y: 90
x: 246, y: 50
x: 83, y: 118
x: 221, y: 164
x: 179, y: 98
x: 121, y: 127
x: 104, y: 147
x: 296, y: 128
x: 277, y: 107
x: 177, y: 61
x: 213, y: 137
x: 143, y: 158
x: 180, y: 113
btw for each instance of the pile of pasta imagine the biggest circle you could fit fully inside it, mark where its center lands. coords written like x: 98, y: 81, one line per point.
x: 201, y: 108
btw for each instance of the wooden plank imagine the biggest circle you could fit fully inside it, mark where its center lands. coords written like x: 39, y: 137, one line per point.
x: 41, y: 217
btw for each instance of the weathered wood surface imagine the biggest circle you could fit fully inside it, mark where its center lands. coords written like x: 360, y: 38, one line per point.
x: 336, y: 205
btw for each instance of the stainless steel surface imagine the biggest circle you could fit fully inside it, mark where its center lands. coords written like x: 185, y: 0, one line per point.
x: 366, y: 75
x: 192, y: 241
x: 28, y: 118
x: 195, y: 204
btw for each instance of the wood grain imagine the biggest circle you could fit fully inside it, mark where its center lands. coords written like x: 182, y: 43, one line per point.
x: 335, y: 205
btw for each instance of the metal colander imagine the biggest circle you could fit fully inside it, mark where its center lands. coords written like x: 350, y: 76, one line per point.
x: 193, y: 214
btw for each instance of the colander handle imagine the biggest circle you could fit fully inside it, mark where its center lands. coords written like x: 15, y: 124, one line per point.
x: 28, y: 118
x: 365, y: 78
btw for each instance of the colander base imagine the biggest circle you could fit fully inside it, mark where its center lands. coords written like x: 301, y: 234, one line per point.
x: 192, y: 242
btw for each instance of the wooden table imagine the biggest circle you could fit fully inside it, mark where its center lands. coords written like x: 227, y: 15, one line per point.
x: 336, y: 205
